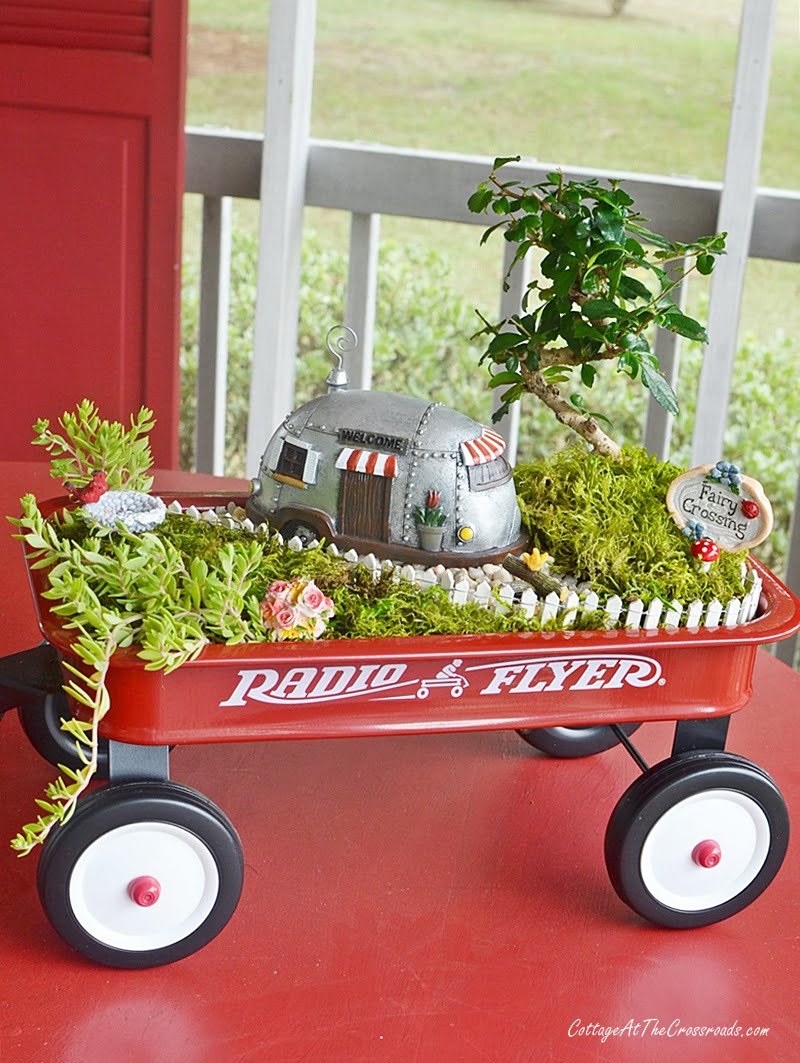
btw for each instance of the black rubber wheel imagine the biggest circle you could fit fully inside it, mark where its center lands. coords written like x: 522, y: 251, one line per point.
x: 568, y: 742
x: 41, y: 722
x: 696, y: 839
x: 304, y: 532
x: 145, y: 873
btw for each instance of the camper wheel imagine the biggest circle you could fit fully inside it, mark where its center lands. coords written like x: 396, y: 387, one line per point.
x: 304, y: 532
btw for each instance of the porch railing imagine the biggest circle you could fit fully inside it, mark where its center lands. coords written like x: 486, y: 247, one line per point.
x: 368, y: 180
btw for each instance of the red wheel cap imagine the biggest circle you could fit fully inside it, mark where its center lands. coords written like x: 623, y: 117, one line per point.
x: 707, y: 853
x: 144, y: 890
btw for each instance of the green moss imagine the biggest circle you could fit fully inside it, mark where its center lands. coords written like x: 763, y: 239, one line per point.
x: 603, y: 521
x: 365, y: 607
x: 606, y: 522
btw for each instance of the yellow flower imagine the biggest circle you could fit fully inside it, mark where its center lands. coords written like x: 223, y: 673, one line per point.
x: 536, y: 560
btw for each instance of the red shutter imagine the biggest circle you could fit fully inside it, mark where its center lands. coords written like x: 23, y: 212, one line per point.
x: 91, y: 184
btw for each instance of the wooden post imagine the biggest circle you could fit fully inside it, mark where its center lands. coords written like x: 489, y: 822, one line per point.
x: 362, y: 276
x: 658, y: 422
x: 290, y: 72
x: 510, y: 304
x: 212, y: 346
x: 736, y: 210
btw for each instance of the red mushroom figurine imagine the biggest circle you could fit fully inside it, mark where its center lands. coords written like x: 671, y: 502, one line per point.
x: 750, y: 509
x: 705, y: 552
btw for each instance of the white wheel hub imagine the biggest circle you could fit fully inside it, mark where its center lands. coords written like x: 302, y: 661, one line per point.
x: 733, y: 820
x: 178, y: 860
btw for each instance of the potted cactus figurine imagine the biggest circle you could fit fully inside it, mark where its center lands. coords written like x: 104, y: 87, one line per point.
x: 430, y: 522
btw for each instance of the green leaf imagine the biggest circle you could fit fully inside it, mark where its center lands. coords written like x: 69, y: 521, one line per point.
x: 588, y: 374
x: 649, y: 237
x: 565, y: 277
x: 609, y: 224
x: 480, y: 200
x: 501, y: 160
x: 705, y: 264
x: 503, y: 341
x: 582, y: 330
x: 675, y: 321
x: 506, y: 377
x: 513, y: 394
x: 555, y: 374
x: 631, y: 288
x: 551, y: 317
x: 659, y: 388
x: 488, y: 232
x: 598, y: 308
x: 635, y: 341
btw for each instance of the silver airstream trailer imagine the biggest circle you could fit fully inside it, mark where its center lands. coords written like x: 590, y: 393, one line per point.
x: 356, y: 468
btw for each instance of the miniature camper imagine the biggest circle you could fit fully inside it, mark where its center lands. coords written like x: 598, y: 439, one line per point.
x: 358, y: 467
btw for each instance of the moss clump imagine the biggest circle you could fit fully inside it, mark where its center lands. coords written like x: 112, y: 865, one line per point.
x: 606, y: 522
x: 365, y: 608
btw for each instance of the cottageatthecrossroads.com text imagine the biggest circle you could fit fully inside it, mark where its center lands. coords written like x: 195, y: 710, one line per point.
x: 657, y: 1028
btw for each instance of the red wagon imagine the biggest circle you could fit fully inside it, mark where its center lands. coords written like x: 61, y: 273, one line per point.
x: 148, y: 871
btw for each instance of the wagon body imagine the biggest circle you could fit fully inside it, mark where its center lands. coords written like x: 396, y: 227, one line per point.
x: 348, y: 688
x: 693, y: 840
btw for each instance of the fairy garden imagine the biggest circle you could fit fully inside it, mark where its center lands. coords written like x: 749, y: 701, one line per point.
x: 382, y: 517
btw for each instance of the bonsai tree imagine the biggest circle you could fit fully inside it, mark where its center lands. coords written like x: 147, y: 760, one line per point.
x: 605, y: 279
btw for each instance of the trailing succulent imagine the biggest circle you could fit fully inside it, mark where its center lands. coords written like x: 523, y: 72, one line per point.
x: 605, y: 280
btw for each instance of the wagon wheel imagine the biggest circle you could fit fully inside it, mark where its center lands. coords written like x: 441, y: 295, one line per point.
x: 145, y: 873
x: 696, y: 839
x: 304, y: 532
x: 41, y: 722
x: 574, y: 741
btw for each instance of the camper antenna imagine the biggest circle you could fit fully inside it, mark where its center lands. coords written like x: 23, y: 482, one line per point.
x: 339, y: 340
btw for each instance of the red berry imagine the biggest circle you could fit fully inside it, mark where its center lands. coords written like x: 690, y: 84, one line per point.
x: 750, y: 509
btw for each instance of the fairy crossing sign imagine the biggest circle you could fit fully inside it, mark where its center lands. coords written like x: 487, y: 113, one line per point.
x: 730, y: 508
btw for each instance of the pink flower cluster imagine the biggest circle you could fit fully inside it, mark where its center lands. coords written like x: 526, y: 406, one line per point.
x: 296, y: 610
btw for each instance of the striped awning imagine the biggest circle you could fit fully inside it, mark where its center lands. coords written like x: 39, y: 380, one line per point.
x: 372, y: 462
x: 485, y: 448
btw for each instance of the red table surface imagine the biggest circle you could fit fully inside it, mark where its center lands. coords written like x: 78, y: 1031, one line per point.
x: 430, y: 897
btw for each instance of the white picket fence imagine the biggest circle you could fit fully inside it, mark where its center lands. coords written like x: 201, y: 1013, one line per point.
x: 505, y: 597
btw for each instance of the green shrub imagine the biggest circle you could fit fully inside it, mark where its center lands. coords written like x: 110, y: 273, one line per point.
x: 423, y: 348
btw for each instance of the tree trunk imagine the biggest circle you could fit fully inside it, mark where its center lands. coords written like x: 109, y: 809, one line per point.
x: 581, y: 423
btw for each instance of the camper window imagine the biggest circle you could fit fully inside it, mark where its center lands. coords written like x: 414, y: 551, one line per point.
x: 292, y: 461
x: 490, y: 474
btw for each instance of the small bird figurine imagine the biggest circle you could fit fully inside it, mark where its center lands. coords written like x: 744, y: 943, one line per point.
x: 91, y: 492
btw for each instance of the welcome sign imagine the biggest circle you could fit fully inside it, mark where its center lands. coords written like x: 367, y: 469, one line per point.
x: 735, y: 518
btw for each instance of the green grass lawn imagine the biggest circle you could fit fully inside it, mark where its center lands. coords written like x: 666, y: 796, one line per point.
x: 558, y: 80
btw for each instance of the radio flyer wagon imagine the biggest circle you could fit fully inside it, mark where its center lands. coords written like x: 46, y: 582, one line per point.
x: 148, y: 871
